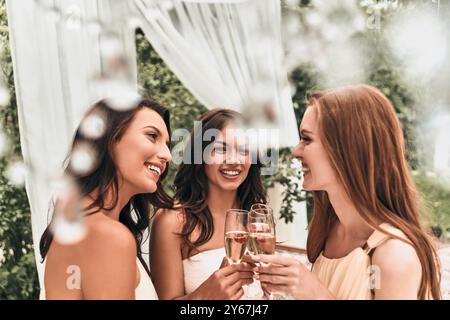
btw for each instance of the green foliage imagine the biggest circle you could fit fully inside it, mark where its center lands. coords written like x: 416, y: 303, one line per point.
x: 385, y: 72
x: 18, y: 276
x: 436, y: 196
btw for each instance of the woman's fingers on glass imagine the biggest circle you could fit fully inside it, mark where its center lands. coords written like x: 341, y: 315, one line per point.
x: 247, y: 258
x: 246, y: 275
x: 247, y: 265
x: 236, y: 284
x: 272, y: 269
x: 240, y: 267
x: 235, y: 268
x: 254, y: 259
x: 224, y: 263
x: 273, y: 279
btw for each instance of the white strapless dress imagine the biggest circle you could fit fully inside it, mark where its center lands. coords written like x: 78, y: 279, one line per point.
x: 201, y: 266
x: 144, y: 291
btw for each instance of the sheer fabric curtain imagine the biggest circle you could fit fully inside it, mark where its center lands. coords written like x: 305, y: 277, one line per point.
x: 228, y: 53
x: 55, y: 58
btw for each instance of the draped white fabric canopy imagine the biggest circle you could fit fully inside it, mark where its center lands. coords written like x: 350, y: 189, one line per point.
x: 214, y: 47
x: 227, y: 53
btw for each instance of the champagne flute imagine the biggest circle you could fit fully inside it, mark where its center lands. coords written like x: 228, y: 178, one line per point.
x: 236, y: 234
x: 262, y: 239
x: 261, y: 227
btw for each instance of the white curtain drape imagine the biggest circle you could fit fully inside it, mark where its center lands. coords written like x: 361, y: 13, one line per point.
x: 55, y: 59
x: 228, y: 53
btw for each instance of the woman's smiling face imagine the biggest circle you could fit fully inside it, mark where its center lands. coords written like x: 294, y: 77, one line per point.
x: 318, y: 173
x: 142, y: 153
x: 229, y: 160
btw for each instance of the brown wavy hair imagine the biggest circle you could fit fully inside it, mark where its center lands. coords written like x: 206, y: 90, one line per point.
x: 191, y: 183
x: 362, y: 136
x: 135, y: 215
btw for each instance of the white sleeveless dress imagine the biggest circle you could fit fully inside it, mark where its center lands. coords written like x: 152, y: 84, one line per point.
x: 201, y: 266
x: 144, y: 291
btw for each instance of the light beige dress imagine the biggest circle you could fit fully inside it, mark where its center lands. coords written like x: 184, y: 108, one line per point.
x: 352, y: 277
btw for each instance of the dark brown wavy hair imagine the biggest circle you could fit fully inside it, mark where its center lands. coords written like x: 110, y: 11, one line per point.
x: 362, y: 136
x: 191, y: 183
x: 135, y: 214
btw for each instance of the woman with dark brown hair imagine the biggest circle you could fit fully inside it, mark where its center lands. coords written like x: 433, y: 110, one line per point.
x: 116, y: 198
x: 366, y: 240
x: 187, y: 242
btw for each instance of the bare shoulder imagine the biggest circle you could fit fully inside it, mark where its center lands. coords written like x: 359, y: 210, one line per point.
x: 107, y: 233
x: 397, y: 258
x: 168, y: 219
x: 109, y: 264
x: 108, y: 246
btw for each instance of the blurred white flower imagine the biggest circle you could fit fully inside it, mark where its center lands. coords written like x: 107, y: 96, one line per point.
x: 67, y: 232
x: 121, y: 96
x: 94, y: 125
x: 83, y: 159
x: 72, y: 17
x: 111, y: 47
x: 16, y: 173
x: 114, y: 57
x: 68, y: 224
x: 314, y: 19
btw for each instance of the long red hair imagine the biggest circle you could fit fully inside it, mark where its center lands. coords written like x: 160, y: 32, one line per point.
x: 362, y: 136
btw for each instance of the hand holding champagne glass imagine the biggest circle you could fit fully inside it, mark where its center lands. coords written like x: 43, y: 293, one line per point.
x: 262, y: 240
x: 236, y: 234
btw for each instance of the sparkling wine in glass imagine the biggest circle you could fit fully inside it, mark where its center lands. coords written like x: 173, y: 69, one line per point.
x: 236, y: 234
x: 261, y: 228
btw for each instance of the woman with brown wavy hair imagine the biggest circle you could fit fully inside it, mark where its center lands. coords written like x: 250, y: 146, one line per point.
x: 187, y: 242
x: 117, y: 197
x: 366, y: 240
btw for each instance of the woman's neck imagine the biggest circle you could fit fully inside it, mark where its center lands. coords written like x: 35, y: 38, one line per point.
x: 354, y: 226
x: 123, y: 197
x: 219, y: 200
